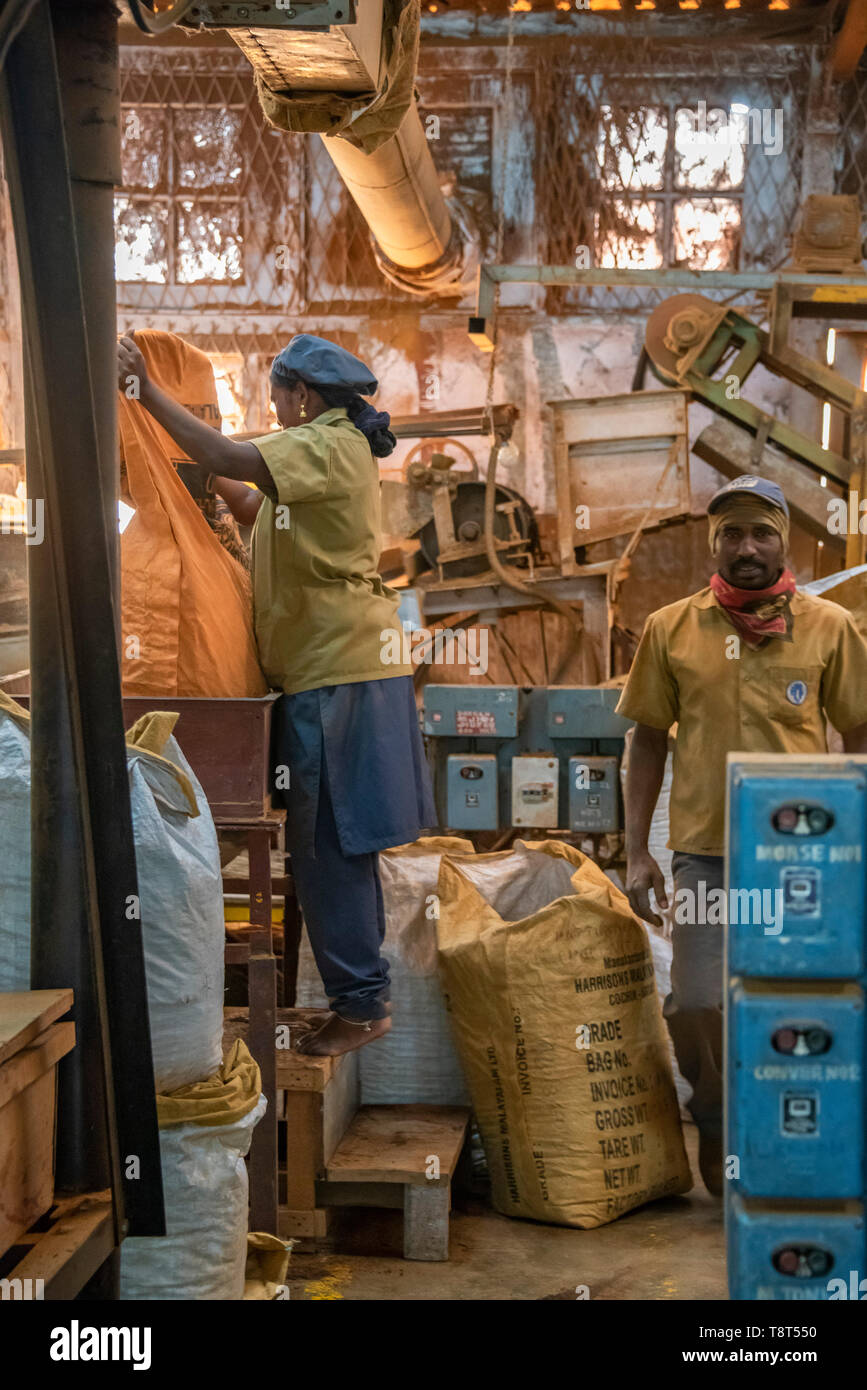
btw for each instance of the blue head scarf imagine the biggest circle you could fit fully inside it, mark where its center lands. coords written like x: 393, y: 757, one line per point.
x: 340, y: 379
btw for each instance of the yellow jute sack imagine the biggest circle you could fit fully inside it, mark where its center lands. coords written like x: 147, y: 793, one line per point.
x: 549, y: 983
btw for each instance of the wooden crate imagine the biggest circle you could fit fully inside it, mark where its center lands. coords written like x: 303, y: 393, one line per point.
x: 31, y: 1045
x: 609, y: 454
x: 226, y: 742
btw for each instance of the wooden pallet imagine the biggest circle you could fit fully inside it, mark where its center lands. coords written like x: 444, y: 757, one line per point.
x: 32, y: 1043
x: 56, y: 1261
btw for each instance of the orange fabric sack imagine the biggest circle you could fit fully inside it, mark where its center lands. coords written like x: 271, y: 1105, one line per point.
x: 187, y: 604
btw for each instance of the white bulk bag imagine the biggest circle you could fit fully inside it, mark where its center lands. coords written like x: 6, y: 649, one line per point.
x: 180, y: 893
x: 416, y: 1062
x: 14, y: 851
x: 204, y: 1251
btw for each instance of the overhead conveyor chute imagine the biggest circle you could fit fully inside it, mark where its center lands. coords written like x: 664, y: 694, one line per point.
x: 353, y: 84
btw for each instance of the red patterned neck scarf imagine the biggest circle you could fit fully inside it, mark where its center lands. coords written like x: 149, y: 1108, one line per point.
x: 757, y: 613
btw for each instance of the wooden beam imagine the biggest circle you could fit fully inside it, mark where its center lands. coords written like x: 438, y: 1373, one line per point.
x: 730, y: 449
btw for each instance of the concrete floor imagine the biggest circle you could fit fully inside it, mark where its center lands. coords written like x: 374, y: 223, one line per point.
x: 671, y: 1249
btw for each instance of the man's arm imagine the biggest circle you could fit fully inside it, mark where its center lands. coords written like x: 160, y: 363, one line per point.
x: 211, y: 450
x: 647, y: 754
x: 855, y: 740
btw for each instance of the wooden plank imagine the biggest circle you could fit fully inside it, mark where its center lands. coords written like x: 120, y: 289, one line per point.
x: 730, y: 449
x: 27, y: 1013
x: 27, y: 1157
x: 395, y: 1143
x: 34, y: 1061
x: 68, y: 1254
x: 311, y: 1225
x: 340, y: 1101
x: 360, y: 1194
x: 566, y: 531
x: 262, y: 984
x: 295, y: 1072
x: 304, y: 1155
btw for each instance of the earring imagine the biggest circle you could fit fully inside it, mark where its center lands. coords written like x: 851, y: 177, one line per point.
x: 303, y: 411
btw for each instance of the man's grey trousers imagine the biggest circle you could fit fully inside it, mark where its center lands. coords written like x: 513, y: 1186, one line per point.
x: 693, y: 1009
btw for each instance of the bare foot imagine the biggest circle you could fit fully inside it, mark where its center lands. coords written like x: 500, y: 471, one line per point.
x: 336, y: 1036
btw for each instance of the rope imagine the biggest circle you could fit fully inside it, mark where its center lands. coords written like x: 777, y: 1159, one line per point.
x: 506, y: 108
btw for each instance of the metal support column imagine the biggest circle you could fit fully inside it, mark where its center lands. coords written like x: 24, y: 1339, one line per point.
x: 59, y: 125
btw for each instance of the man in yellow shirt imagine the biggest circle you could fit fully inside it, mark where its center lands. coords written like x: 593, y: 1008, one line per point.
x: 749, y: 664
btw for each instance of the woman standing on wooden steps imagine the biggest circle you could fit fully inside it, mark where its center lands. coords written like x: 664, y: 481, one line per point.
x: 347, y: 754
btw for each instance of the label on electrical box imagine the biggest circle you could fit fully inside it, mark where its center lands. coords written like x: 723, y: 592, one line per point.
x: 799, y: 1114
x: 802, y: 892
x: 816, y: 853
x: 475, y: 722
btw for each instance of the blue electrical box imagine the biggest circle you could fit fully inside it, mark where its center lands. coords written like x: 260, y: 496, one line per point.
x: 594, y: 794
x: 796, y: 1066
x: 788, y: 1251
x: 469, y: 711
x: 796, y: 867
x: 578, y: 712
x: 471, y: 791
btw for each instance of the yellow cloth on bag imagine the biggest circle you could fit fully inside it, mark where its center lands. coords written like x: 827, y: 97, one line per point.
x: 267, y: 1267
x: 222, y: 1099
x: 149, y: 735
x: 14, y: 710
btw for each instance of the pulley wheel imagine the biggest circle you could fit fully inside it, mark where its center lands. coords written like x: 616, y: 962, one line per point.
x: 662, y: 356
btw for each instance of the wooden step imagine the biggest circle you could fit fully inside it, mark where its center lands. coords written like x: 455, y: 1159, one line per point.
x: 408, y: 1149
x: 399, y: 1143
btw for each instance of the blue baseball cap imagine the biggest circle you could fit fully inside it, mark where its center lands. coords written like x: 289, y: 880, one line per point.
x: 750, y: 486
x: 322, y: 363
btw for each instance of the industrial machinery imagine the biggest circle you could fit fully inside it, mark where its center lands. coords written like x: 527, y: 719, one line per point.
x: 479, y: 556
x: 795, y: 1104
x: 507, y: 757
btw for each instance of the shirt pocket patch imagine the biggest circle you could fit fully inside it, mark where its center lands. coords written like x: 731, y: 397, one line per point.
x: 792, y: 693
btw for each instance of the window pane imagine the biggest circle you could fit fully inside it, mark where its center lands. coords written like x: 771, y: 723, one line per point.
x: 209, y: 242
x: 141, y: 240
x: 629, y: 235
x: 631, y: 147
x: 709, y: 147
x: 707, y: 233
x: 143, y: 147
x: 229, y: 376
x: 207, y: 147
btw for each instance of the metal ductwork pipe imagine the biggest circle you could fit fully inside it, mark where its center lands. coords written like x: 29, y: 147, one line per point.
x: 397, y: 191
x: 423, y: 242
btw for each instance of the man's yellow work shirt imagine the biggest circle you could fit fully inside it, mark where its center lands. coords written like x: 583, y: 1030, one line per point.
x: 769, y: 700
x: 320, y: 605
